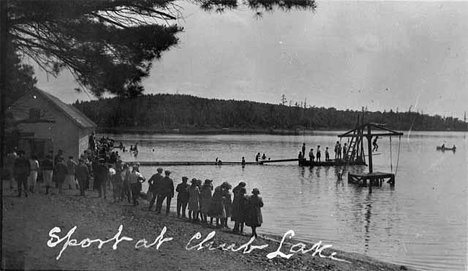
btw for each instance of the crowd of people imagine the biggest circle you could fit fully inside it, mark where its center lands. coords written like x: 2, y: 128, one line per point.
x: 341, y: 153
x: 203, y: 201
x: 103, y: 168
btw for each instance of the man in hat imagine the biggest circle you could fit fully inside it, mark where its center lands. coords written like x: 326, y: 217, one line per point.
x: 155, y: 186
x: 135, y: 179
x: 101, y: 177
x: 82, y: 175
x: 182, y: 196
x: 48, y: 171
x: 21, y: 170
x: 166, y: 191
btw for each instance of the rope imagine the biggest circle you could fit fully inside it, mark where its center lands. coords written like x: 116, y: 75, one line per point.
x: 391, y: 158
x: 398, y: 157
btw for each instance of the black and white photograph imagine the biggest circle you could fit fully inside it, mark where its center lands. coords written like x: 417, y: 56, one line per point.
x: 234, y: 135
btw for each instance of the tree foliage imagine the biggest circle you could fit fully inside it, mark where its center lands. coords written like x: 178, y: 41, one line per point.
x: 108, y: 45
x: 165, y: 112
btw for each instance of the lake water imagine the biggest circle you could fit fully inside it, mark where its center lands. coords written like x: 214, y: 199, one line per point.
x: 421, y: 222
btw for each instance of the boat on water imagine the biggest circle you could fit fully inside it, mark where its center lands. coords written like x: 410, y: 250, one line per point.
x: 443, y: 148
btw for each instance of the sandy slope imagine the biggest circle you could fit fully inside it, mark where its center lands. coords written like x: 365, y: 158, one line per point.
x: 28, y: 221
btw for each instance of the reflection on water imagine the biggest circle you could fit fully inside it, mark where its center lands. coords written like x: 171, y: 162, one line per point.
x: 421, y: 222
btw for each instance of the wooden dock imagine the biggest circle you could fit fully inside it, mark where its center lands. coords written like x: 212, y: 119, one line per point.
x: 187, y: 163
x: 334, y: 163
x: 375, y: 179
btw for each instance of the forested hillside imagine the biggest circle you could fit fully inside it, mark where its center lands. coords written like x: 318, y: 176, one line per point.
x: 167, y: 111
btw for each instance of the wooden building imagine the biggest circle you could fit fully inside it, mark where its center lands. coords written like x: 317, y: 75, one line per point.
x: 45, y: 123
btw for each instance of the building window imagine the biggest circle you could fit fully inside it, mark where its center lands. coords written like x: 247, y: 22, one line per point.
x: 34, y: 114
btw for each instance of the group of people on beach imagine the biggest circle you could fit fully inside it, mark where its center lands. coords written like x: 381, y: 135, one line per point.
x: 103, y: 167
x: 203, y: 200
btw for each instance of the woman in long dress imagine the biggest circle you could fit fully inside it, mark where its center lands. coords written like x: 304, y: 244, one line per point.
x: 216, y: 207
x: 205, y: 199
x: 254, y: 212
x: 194, y: 193
x: 227, y: 204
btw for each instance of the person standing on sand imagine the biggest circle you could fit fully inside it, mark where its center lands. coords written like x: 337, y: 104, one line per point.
x: 70, y: 179
x: 126, y: 191
x: 155, y: 186
x: 21, y: 170
x: 135, y: 179
x: 34, y: 169
x: 60, y: 173
x: 241, y: 210
x: 48, y: 172
x: 205, y: 199
x: 227, y: 204
x: 254, y: 212
x: 193, y: 206
x: 216, y: 206
x: 82, y: 175
x: 182, y: 196
x: 166, y: 192
x: 236, y: 205
x: 101, y: 180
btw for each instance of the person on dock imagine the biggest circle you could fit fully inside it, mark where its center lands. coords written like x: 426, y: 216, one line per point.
x: 243, y: 161
x: 205, y: 199
x: 318, y: 154
x: 166, y: 192
x: 81, y: 174
x: 21, y: 170
x: 182, y: 197
x: 257, y: 157
x: 327, y: 155
x: 311, y: 156
x: 345, y: 152
x: 193, y: 204
x: 300, y: 158
x: 236, y: 205
x: 254, y: 213
x: 337, y: 153
x: 374, y: 144
x: 303, y: 148
x: 135, y: 180
x: 48, y: 172
x: 155, y: 186
x: 264, y: 157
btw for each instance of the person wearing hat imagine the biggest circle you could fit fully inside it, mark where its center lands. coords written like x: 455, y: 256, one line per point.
x: 205, y: 199
x: 240, y: 210
x: 227, y: 204
x: 182, y: 196
x: 155, y: 186
x: 135, y: 179
x: 236, y: 205
x: 82, y: 175
x: 21, y: 170
x: 254, y: 217
x: 166, y: 192
x: 194, y: 198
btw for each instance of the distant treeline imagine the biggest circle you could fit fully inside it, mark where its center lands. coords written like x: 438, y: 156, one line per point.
x: 167, y: 111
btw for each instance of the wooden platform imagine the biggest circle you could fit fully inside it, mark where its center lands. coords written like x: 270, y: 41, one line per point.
x: 333, y: 163
x: 375, y: 178
x: 187, y: 163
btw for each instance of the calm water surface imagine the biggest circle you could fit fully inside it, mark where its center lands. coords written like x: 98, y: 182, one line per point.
x: 422, y: 222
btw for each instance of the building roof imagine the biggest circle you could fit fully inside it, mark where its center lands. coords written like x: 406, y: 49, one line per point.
x: 69, y: 110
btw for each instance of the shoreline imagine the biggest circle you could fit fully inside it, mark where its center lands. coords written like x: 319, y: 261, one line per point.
x: 25, y: 247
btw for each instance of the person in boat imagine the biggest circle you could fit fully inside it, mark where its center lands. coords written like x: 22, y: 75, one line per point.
x: 318, y: 155
x: 311, y: 156
x: 374, y: 143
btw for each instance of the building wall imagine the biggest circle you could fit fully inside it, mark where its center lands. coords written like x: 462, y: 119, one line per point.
x: 63, y: 132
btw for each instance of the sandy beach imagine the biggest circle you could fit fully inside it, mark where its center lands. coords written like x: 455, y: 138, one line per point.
x: 28, y: 242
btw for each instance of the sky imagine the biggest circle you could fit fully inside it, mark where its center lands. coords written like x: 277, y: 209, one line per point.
x: 347, y: 54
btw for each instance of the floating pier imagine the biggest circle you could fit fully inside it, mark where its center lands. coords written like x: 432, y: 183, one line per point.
x: 187, y: 163
x: 374, y: 178
x: 334, y: 163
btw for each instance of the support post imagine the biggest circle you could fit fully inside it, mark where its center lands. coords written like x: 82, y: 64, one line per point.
x: 369, y: 147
